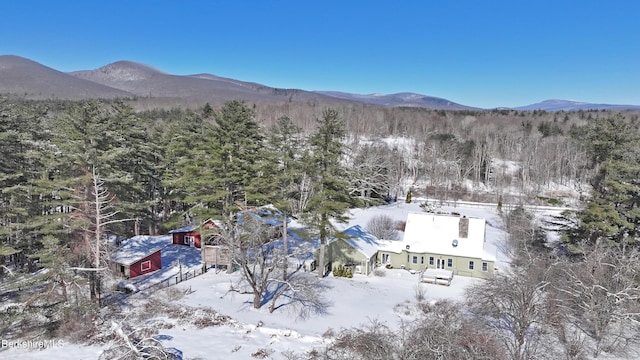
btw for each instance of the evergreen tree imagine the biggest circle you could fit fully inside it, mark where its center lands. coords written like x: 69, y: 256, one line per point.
x: 612, y: 213
x: 330, y: 199
x: 238, y: 154
x: 23, y: 141
x: 179, y: 136
x: 284, y: 167
x: 219, y: 164
x: 135, y: 161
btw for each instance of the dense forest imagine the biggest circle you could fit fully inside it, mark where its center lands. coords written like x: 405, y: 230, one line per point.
x: 75, y: 174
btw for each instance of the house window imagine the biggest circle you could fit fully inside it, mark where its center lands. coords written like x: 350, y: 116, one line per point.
x: 449, y: 262
x: 421, y: 259
x: 145, y: 265
x: 407, y: 258
x: 471, y: 265
x: 385, y: 258
x: 485, y: 266
x: 415, y: 259
x: 431, y: 260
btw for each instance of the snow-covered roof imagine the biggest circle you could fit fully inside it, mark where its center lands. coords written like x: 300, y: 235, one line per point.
x: 268, y: 214
x: 206, y: 224
x: 185, y: 229
x: 138, y: 247
x: 440, y: 234
x: 361, y: 240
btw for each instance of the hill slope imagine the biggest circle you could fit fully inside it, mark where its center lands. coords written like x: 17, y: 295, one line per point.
x: 568, y: 105
x: 144, y: 80
x: 400, y: 99
x: 26, y: 77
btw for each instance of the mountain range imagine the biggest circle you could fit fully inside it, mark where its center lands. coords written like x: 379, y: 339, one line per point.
x: 127, y: 79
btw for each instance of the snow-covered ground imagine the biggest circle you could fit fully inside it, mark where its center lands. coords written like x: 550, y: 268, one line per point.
x: 354, y: 302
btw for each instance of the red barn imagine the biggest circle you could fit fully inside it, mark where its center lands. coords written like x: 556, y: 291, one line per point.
x: 190, y: 235
x: 139, y: 255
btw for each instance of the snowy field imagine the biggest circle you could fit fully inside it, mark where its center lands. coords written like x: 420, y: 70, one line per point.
x: 354, y: 302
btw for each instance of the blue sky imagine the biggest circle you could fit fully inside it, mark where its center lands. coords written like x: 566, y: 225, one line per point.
x: 478, y: 53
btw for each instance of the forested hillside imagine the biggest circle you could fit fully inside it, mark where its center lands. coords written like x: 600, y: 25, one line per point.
x: 75, y: 174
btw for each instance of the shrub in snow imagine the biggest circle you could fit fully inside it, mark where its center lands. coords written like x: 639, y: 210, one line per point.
x: 262, y: 353
x: 382, y: 227
x: 341, y: 271
x: 420, y: 292
x: 78, y: 323
x: 380, y: 272
x: 440, y: 331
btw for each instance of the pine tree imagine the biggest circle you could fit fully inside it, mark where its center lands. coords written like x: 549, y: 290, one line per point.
x: 134, y: 168
x: 284, y: 168
x: 330, y: 199
x: 612, y: 214
x: 181, y: 139
x: 23, y: 141
x: 219, y: 165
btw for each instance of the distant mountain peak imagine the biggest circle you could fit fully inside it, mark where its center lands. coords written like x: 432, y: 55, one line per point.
x: 134, y: 65
x: 405, y: 99
x: 573, y: 105
x: 19, y: 75
x: 125, y: 70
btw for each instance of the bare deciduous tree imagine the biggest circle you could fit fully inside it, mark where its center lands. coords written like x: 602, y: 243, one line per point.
x: 370, y: 174
x: 135, y: 343
x: 257, y: 249
x: 601, y: 295
x: 383, y: 227
x: 513, y: 307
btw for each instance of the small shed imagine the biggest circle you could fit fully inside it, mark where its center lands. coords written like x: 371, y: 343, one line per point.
x: 188, y: 236
x: 139, y: 255
x: 191, y: 235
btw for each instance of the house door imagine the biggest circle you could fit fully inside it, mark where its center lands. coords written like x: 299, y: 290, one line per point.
x: 440, y: 263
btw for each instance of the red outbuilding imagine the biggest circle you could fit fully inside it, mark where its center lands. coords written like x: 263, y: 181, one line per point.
x: 190, y: 235
x: 139, y: 255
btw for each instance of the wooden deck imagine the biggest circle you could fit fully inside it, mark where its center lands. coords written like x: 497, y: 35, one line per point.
x: 437, y: 276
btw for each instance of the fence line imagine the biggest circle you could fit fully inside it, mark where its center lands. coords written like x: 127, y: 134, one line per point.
x: 174, y: 280
x: 505, y: 206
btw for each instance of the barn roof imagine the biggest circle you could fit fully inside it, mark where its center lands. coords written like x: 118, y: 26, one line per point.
x: 139, y: 247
